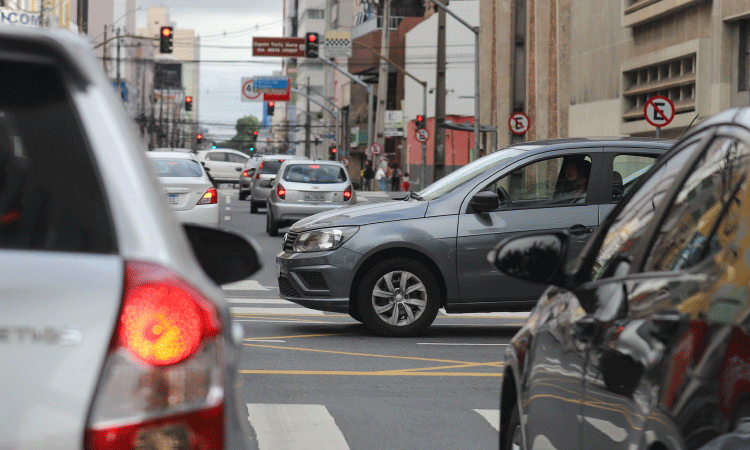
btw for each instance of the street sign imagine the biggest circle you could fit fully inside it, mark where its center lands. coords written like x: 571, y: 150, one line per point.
x: 271, y: 85
x: 375, y: 149
x: 423, y: 135
x: 338, y: 43
x: 518, y: 123
x: 287, y: 47
x: 345, y: 162
x: 328, y: 136
x: 659, y: 111
x: 248, y: 94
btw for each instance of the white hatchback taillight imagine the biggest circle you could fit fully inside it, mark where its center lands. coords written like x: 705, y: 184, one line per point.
x: 209, y: 198
x: 348, y: 193
x: 163, y: 375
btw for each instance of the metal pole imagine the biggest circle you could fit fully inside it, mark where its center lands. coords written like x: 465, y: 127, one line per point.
x: 83, y: 16
x: 475, y: 151
x: 307, y: 123
x: 383, y: 78
x: 423, y: 176
x: 118, y: 62
x: 658, y: 132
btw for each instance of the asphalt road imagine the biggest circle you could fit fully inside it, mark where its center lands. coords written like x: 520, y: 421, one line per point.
x: 317, y: 380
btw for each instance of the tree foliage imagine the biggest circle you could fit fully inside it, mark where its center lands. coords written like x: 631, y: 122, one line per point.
x: 244, y: 138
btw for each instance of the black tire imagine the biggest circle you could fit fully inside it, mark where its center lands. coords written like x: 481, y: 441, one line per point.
x: 243, y: 195
x: 513, y: 436
x: 412, y: 312
x: 354, y: 313
x: 271, y: 225
x: 253, y: 207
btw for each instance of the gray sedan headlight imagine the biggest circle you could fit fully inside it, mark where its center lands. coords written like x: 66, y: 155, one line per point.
x: 323, y: 240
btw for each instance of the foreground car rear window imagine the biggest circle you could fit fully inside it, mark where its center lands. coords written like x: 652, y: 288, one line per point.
x: 314, y: 173
x: 177, y: 168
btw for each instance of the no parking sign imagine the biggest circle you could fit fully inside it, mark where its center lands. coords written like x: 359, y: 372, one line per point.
x: 518, y: 123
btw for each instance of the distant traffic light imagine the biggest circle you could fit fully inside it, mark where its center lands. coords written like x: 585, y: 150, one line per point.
x: 269, y: 109
x: 166, y: 40
x: 332, y: 153
x: 255, y: 133
x: 421, y: 123
x: 311, y: 45
x: 252, y: 149
x: 199, y: 138
x: 188, y: 103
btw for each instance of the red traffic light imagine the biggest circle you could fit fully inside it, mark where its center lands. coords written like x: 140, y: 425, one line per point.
x: 333, y: 150
x: 420, y: 118
x: 255, y: 133
x: 270, y: 104
x: 312, y: 38
x: 200, y: 136
x: 188, y: 99
x: 166, y: 31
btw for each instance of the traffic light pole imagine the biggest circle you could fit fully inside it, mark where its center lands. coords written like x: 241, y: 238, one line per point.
x: 330, y: 111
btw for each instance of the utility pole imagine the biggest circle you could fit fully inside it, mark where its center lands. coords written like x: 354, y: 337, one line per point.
x: 383, y: 79
x: 83, y: 16
x: 307, y: 123
x: 119, y: 89
x: 41, y: 13
x: 438, y: 167
x: 104, y: 51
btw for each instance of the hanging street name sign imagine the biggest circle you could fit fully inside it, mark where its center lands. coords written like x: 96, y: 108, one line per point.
x: 287, y: 47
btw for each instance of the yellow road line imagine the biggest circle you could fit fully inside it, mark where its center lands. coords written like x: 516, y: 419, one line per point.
x: 457, y: 366
x: 387, y: 373
x: 296, y: 336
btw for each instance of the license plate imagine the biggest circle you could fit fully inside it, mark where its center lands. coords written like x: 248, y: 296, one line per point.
x: 278, y: 269
x: 315, y: 197
x: 172, y: 198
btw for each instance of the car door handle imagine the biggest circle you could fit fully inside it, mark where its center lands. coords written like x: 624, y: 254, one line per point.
x: 579, y: 230
x: 238, y: 169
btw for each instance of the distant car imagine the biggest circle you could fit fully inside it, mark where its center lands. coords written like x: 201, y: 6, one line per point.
x: 643, y: 342
x: 392, y: 265
x: 223, y: 164
x: 304, y: 188
x: 267, y: 168
x: 247, y: 174
x: 174, y: 149
x: 190, y: 193
x: 114, y: 333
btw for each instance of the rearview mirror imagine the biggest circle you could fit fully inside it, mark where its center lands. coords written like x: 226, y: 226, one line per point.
x: 536, y: 258
x: 266, y: 183
x: 223, y: 255
x: 484, y: 201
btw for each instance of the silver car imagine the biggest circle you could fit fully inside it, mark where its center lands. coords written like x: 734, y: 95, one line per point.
x: 267, y: 169
x: 304, y: 188
x: 247, y: 174
x: 190, y: 193
x: 113, y: 332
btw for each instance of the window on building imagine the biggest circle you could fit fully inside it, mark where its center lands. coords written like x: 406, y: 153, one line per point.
x: 674, y: 79
x: 315, y: 14
x: 743, y: 79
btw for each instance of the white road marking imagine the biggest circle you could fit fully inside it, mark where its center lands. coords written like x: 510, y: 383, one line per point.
x: 228, y: 208
x: 227, y: 218
x: 244, y: 285
x: 263, y: 301
x: 491, y: 415
x: 229, y: 199
x: 274, y: 311
x: 448, y: 343
x: 498, y: 315
x: 299, y: 427
x: 281, y: 320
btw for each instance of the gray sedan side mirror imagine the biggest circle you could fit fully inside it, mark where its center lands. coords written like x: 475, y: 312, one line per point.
x: 223, y: 255
x: 484, y: 201
x: 538, y: 258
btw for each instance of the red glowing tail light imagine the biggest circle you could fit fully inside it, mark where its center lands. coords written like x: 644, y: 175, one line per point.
x: 280, y: 191
x: 209, y: 198
x: 348, y: 193
x: 257, y: 174
x: 246, y: 173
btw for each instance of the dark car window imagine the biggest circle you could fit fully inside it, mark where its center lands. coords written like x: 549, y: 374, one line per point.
x: 235, y: 158
x: 50, y: 196
x: 688, y: 233
x: 176, y: 168
x: 553, y: 181
x: 314, y: 173
x: 626, y: 170
x: 633, y: 220
x: 217, y: 156
x: 271, y: 166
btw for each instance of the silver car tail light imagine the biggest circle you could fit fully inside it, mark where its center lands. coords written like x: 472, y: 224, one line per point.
x: 280, y: 191
x: 209, y: 198
x: 162, y: 380
x: 348, y: 193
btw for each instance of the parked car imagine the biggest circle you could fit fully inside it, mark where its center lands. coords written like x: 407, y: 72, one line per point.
x: 267, y: 169
x: 394, y: 264
x: 223, y: 164
x: 247, y: 174
x: 304, y: 188
x: 190, y: 193
x: 643, y: 342
x: 112, y: 333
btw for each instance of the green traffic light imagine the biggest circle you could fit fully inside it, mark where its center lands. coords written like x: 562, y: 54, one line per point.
x: 252, y: 149
x: 213, y: 146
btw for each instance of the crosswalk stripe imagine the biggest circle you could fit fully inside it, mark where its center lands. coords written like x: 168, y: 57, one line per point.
x: 245, y: 285
x: 300, y: 311
x: 259, y: 301
x: 497, y: 315
x: 299, y: 427
x: 491, y: 415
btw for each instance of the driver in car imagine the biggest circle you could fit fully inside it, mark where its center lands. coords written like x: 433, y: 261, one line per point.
x: 573, y: 185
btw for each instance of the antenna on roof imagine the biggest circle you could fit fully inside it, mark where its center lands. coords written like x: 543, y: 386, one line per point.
x: 688, y: 127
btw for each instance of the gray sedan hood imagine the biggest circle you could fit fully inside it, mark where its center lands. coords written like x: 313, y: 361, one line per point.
x: 363, y: 215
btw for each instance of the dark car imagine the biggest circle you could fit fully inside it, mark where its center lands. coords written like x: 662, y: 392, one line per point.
x: 393, y: 265
x: 644, y: 341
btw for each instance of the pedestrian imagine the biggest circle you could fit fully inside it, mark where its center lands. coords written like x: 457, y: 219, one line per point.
x: 405, y: 183
x: 395, y: 177
x: 368, y: 176
x: 380, y: 178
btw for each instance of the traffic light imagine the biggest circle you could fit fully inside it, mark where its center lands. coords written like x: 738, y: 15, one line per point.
x: 269, y: 109
x: 255, y: 134
x: 199, y: 138
x: 311, y: 45
x: 188, y: 103
x: 421, y: 123
x: 332, y: 153
x: 252, y: 149
x: 166, y: 39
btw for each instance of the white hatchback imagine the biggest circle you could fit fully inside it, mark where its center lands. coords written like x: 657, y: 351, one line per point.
x: 190, y: 193
x: 223, y: 164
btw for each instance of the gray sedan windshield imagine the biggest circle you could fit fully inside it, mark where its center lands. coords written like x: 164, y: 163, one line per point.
x: 453, y: 181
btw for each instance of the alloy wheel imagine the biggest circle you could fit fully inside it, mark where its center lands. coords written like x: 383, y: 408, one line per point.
x: 399, y: 298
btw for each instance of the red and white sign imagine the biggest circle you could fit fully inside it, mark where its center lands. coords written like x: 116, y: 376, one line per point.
x: 345, y: 162
x: 518, y: 123
x: 376, y: 148
x: 248, y: 94
x: 659, y: 111
x: 423, y: 135
x: 288, y: 47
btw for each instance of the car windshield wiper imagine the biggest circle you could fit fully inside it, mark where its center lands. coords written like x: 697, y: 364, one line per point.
x: 413, y: 195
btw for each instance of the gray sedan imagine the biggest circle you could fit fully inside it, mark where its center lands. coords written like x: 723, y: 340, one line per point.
x: 393, y: 265
x: 305, y: 188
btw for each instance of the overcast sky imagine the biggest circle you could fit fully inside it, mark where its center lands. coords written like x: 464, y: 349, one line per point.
x: 225, y: 23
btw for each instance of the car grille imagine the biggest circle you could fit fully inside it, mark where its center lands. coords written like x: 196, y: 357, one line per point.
x: 314, y: 280
x: 287, y: 289
x: 289, y: 239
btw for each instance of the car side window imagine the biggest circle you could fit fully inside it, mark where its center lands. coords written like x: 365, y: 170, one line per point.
x: 631, y: 223
x: 626, y: 170
x: 550, y: 182
x: 688, y: 233
x: 236, y: 158
x: 50, y: 195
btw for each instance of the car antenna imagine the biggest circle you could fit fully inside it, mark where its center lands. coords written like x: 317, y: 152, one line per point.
x: 688, y: 127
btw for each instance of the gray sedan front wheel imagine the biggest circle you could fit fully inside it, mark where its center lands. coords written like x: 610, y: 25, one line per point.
x: 398, y: 297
